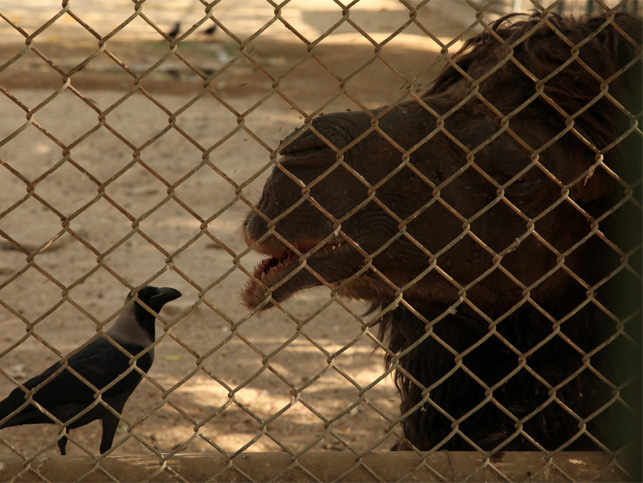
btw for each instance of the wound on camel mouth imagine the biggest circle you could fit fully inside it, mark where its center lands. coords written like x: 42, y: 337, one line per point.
x: 274, y: 263
x: 288, y: 257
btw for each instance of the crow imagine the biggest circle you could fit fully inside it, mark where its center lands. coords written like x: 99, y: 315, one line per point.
x: 108, y: 369
x: 211, y: 30
x: 176, y: 30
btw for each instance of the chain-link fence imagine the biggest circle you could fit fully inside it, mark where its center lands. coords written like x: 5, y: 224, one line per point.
x: 481, y: 235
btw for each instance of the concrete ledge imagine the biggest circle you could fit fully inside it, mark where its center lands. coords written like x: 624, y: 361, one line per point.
x: 323, y: 466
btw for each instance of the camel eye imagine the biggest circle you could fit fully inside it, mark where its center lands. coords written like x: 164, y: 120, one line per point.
x: 522, y: 186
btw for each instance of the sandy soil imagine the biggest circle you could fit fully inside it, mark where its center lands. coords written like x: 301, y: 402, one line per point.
x: 106, y: 184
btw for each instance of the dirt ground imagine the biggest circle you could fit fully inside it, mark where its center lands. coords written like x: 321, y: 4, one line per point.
x: 112, y: 179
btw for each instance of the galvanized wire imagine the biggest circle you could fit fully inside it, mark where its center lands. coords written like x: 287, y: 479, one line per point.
x: 480, y: 13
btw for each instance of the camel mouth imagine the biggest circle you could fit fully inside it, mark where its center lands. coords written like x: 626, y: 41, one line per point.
x: 271, y: 275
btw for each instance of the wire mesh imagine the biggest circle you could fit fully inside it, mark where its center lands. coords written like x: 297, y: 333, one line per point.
x: 138, y: 135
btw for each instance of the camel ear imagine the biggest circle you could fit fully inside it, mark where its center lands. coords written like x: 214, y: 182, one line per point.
x: 622, y: 36
x: 622, y: 39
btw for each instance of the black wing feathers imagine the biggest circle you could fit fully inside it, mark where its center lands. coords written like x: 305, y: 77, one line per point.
x: 99, y: 363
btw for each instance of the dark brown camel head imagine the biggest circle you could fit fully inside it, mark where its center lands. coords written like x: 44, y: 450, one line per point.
x: 494, y: 187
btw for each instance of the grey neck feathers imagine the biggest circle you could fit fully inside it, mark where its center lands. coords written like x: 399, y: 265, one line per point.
x: 128, y: 330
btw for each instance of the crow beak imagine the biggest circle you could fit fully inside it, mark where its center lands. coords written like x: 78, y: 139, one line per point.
x: 165, y: 295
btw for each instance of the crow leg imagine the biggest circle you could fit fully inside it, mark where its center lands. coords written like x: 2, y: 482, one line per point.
x: 62, y: 443
x: 110, y: 423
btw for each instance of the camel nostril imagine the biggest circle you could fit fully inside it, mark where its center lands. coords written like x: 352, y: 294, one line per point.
x: 304, y: 151
x: 302, y: 145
